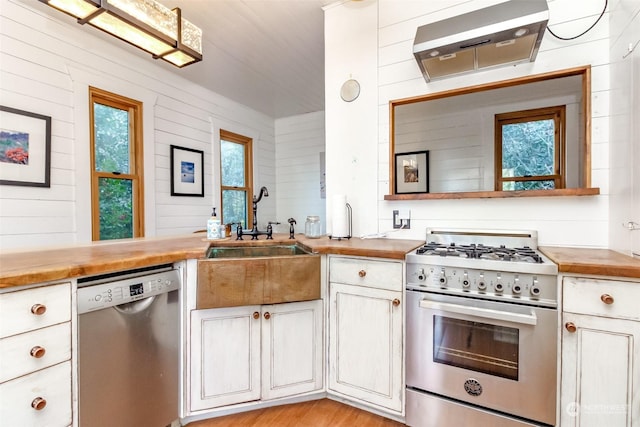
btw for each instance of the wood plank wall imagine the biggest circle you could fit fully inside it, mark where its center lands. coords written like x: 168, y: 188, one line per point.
x: 300, y: 144
x: 47, y: 62
x: 581, y: 221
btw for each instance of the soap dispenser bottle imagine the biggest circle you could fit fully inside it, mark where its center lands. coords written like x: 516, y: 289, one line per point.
x: 213, y: 226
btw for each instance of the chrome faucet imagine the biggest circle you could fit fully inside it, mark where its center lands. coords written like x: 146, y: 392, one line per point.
x: 254, y: 232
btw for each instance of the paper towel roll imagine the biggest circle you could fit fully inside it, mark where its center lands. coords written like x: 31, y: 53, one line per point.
x: 339, y: 220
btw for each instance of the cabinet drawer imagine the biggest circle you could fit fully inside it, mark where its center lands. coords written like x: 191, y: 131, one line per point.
x: 608, y: 298
x: 32, y: 351
x: 366, y: 272
x: 19, y: 310
x: 17, y: 398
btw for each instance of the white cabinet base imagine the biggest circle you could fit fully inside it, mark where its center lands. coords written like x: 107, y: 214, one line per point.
x: 253, y: 353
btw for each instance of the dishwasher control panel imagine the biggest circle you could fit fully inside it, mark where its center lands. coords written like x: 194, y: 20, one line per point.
x: 130, y: 289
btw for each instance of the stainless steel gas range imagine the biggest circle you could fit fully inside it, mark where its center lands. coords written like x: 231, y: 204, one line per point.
x: 482, y: 327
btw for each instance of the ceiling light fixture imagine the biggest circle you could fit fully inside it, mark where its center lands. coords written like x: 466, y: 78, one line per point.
x: 145, y: 24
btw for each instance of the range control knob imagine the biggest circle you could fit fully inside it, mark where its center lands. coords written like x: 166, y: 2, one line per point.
x: 421, y: 275
x: 498, y: 287
x: 442, y: 279
x: 481, y: 284
x: 516, y: 285
x: 535, y: 290
x: 465, y: 280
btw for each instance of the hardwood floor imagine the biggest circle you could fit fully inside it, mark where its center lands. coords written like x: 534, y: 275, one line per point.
x: 315, y: 413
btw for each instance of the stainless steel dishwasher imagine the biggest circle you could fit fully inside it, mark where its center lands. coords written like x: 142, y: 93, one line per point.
x: 128, y: 350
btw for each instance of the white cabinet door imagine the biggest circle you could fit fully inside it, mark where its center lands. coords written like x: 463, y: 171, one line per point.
x: 291, y: 348
x: 365, y: 344
x: 600, y: 372
x: 225, y: 356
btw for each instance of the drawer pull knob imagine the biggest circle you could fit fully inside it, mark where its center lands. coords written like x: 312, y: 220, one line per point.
x: 267, y: 315
x: 38, y: 403
x: 256, y: 315
x: 37, y: 352
x: 396, y: 302
x: 571, y: 327
x: 38, y: 309
x: 362, y: 273
x: 606, y: 298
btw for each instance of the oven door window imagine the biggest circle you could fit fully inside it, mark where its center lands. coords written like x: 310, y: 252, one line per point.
x: 476, y: 346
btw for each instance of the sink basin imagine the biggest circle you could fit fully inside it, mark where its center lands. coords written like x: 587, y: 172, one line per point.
x: 256, y: 274
x: 255, y: 251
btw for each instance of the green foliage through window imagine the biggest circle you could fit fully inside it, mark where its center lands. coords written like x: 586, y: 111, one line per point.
x: 529, y: 147
x: 111, y: 126
x: 116, y: 209
x: 116, y: 169
x: 235, y: 177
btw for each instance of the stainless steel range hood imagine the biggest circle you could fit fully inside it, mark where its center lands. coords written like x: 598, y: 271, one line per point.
x: 503, y: 34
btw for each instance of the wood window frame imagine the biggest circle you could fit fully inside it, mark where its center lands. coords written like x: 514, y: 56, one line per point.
x: 136, y: 156
x: 248, y: 172
x: 558, y: 115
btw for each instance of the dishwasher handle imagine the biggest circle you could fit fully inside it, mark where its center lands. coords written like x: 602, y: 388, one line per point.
x: 135, y: 307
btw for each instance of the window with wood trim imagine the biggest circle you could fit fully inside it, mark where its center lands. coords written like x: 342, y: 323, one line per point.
x: 236, y: 178
x: 530, y: 149
x: 117, y: 207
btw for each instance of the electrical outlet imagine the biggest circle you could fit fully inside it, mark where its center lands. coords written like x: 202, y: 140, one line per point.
x: 401, y: 219
x: 396, y: 220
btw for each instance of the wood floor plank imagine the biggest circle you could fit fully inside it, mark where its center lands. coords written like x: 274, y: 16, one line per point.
x: 316, y: 413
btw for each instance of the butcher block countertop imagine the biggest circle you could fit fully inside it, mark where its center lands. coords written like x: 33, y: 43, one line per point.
x: 26, y: 267
x: 599, y: 262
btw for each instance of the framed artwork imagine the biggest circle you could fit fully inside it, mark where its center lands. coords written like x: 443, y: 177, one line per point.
x: 187, y: 172
x: 412, y: 172
x: 25, y: 148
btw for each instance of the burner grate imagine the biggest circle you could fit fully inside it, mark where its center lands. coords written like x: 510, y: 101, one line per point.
x: 480, y: 251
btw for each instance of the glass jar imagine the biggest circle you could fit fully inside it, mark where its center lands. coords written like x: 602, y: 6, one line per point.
x: 312, y: 227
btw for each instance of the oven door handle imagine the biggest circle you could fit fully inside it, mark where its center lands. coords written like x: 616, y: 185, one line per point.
x: 527, y: 319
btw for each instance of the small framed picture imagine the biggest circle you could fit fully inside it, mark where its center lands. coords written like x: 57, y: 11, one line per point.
x: 25, y: 148
x: 412, y: 172
x: 187, y: 172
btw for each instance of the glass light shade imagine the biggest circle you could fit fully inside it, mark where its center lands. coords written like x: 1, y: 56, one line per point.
x: 191, y: 36
x: 154, y: 14
x: 113, y: 25
x: 179, y: 58
x: 77, y: 8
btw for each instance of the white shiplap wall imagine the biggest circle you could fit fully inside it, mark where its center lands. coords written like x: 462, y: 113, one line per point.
x: 47, y: 62
x: 460, y: 139
x: 580, y: 221
x: 300, y: 143
x: 625, y: 124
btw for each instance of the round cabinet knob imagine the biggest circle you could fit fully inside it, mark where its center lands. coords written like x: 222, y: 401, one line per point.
x: 256, y: 315
x: 38, y: 309
x: 571, y: 327
x: 396, y: 302
x: 37, y: 352
x: 606, y: 298
x: 267, y: 315
x: 38, y: 403
x: 362, y: 273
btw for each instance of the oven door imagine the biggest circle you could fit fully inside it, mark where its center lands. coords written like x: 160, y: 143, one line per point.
x: 496, y: 355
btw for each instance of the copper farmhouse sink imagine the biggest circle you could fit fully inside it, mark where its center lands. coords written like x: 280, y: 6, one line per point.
x: 257, y: 274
